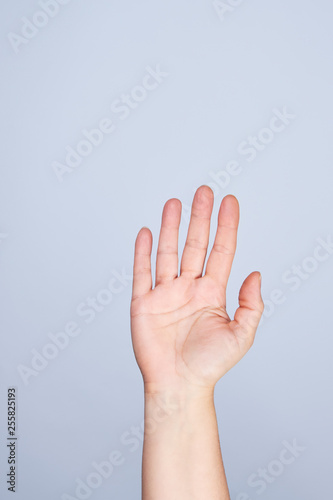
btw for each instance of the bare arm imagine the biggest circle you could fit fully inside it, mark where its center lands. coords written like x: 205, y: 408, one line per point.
x: 184, y: 342
x: 181, y: 455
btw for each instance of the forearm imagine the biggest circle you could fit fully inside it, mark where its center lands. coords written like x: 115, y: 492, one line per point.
x: 181, y: 451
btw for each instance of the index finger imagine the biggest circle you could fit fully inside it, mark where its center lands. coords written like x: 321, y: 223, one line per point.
x: 223, y: 251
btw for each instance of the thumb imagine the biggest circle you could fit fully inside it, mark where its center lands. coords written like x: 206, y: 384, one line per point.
x: 251, y: 306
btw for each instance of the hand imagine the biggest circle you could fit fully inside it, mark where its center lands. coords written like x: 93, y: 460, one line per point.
x: 181, y: 332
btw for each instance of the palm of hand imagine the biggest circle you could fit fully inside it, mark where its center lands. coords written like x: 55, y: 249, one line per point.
x: 181, y: 331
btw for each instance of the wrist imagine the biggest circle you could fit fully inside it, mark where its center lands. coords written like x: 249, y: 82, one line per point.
x: 181, y: 393
x: 178, y: 407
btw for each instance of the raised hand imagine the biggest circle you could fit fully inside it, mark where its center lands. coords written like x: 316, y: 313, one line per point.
x: 181, y: 332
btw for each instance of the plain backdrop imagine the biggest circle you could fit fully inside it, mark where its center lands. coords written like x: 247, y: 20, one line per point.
x: 222, y: 72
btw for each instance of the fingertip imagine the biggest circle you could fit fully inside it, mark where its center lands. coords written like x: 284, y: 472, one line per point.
x: 258, y: 276
x: 229, y: 211
x: 258, y: 279
x: 144, y: 236
x: 231, y: 199
x: 204, y: 193
x: 205, y: 189
x: 174, y: 205
x: 251, y: 287
x: 254, y: 278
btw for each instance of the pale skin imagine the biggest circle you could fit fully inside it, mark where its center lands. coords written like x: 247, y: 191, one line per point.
x: 184, y: 341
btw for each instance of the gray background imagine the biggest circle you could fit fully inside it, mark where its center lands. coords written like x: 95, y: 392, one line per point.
x: 61, y: 241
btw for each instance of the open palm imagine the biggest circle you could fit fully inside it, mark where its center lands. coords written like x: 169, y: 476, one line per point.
x: 181, y: 331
